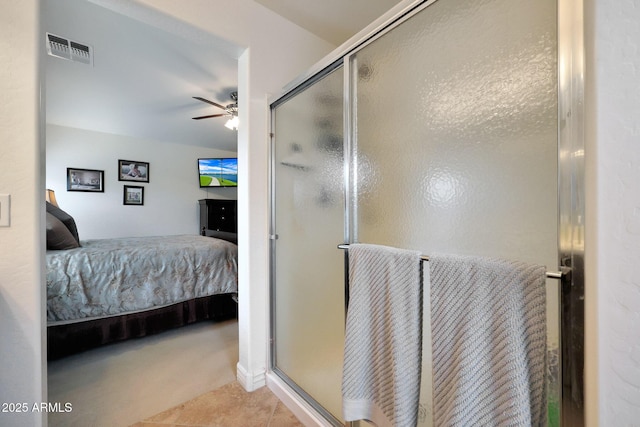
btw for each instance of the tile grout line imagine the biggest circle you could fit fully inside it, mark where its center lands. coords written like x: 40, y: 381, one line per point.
x: 272, y: 413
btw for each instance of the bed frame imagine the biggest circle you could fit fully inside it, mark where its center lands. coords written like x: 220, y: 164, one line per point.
x: 67, y: 339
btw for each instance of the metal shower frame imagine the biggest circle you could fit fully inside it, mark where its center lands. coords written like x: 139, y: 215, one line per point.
x: 571, y: 185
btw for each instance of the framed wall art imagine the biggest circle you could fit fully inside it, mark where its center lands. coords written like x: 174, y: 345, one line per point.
x: 133, y: 195
x: 90, y: 180
x: 131, y: 170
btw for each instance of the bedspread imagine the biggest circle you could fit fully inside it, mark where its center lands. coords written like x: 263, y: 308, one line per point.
x: 114, y: 276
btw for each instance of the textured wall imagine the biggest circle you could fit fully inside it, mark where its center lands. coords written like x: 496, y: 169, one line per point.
x: 23, y: 368
x: 613, y: 119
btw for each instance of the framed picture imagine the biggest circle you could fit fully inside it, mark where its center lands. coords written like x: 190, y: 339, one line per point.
x: 85, y: 180
x: 133, y: 195
x: 131, y: 170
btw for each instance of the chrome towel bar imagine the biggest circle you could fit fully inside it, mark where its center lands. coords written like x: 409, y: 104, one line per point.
x: 550, y: 274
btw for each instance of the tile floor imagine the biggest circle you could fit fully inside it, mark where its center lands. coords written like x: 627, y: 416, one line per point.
x: 227, y: 406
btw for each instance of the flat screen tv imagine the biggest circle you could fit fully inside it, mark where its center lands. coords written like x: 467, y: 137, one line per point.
x: 218, y: 172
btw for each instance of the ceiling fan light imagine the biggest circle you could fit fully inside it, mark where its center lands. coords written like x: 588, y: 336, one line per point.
x: 232, y: 123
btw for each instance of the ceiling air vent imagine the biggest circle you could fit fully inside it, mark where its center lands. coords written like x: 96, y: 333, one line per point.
x: 68, y: 49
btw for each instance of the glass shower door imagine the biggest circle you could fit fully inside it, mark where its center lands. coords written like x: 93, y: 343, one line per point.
x: 455, y: 146
x: 308, y: 307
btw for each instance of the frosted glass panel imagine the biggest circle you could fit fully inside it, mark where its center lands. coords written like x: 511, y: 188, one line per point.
x: 456, y: 139
x: 309, y: 212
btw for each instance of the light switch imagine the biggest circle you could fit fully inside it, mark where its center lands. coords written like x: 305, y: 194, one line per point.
x: 5, y: 210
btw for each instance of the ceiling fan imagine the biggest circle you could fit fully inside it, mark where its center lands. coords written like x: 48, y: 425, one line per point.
x: 230, y: 110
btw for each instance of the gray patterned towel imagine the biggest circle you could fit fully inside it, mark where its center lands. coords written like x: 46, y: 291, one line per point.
x: 382, y: 358
x: 489, y: 342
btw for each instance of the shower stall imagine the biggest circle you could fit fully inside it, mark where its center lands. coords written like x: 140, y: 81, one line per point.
x: 452, y: 128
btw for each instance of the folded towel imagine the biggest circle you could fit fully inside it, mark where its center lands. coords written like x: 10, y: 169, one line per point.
x: 382, y: 357
x: 489, y: 342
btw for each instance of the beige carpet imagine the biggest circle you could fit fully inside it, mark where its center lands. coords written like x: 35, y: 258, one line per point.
x: 125, y: 383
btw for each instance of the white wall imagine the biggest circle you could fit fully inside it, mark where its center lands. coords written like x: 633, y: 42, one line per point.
x: 23, y: 368
x: 612, y: 100
x: 170, y: 197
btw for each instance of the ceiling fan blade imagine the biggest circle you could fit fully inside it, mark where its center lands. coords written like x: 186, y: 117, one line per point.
x: 208, y: 117
x: 210, y: 102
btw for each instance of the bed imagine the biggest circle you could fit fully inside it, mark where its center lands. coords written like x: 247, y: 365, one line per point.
x: 106, y: 290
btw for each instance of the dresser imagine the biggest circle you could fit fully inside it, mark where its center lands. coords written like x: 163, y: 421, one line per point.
x: 218, y: 215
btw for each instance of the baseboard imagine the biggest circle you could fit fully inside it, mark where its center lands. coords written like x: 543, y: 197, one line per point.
x: 250, y: 382
x: 301, y: 409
